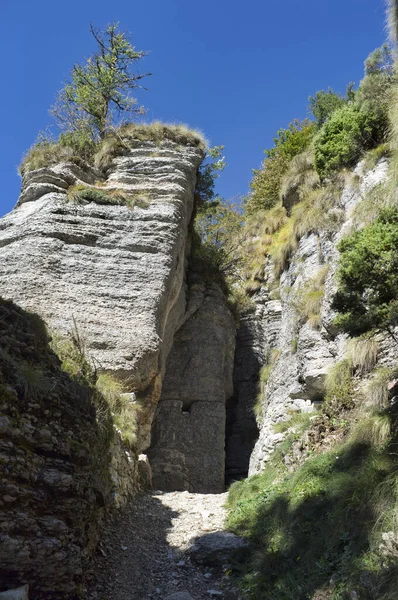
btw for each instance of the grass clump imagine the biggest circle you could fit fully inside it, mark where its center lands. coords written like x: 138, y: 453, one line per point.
x: 325, y: 530
x: 124, y: 410
x: 376, y: 393
x: 373, y: 157
x: 79, y: 147
x: 309, y: 299
x: 298, y: 422
x: 122, y: 139
x: 339, y: 389
x: 119, y: 197
x: 364, y: 351
x: 300, y: 178
x: 114, y: 408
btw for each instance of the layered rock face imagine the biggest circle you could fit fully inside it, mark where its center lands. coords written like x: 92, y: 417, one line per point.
x: 300, y: 354
x: 61, y: 470
x: 188, y: 438
x: 115, y: 271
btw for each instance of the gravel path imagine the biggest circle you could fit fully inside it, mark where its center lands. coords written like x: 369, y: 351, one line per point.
x: 144, y: 553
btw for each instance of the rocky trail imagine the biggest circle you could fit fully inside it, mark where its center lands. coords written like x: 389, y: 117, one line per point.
x: 166, y: 545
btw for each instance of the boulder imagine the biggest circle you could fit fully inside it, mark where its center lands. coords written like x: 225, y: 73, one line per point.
x: 216, y: 549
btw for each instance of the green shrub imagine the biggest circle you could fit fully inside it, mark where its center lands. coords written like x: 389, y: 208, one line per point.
x: 344, y: 137
x: 324, y: 104
x: 266, y: 183
x: 368, y: 277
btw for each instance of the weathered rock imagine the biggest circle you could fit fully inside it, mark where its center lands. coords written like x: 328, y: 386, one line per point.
x: 188, y: 439
x: 145, y: 472
x: 216, y: 549
x: 303, y: 354
x: 21, y: 593
x: 60, y: 475
x: 117, y: 272
x: 179, y: 596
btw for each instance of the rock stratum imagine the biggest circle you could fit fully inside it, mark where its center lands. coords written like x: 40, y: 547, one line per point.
x: 118, y: 273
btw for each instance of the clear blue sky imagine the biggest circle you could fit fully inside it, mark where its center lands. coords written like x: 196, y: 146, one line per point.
x: 236, y: 70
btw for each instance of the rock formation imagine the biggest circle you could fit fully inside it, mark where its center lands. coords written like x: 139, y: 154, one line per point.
x: 187, y: 450
x: 300, y: 354
x: 118, y: 272
x: 62, y: 469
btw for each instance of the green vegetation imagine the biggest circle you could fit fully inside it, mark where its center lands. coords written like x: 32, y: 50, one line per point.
x: 309, y: 298
x: 266, y: 183
x: 100, y: 90
x: 376, y: 393
x: 328, y: 529
x: 324, y: 104
x: 125, y: 411
x: 300, y: 178
x: 79, y: 148
x: 344, y: 137
x: 298, y: 422
x: 339, y: 389
x: 368, y: 277
x: 113, y: 406
x: 376, y: 154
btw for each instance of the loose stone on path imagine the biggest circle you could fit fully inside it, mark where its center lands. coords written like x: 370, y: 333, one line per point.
x: 148, y: 550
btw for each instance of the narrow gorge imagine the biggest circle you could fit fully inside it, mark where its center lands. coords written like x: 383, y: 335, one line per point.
x: 198, y: 399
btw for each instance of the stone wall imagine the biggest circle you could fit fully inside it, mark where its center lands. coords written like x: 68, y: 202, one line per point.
x: 62, y: 469
x: 188, y: 441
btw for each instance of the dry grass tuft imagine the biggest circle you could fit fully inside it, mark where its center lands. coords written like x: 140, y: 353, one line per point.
x: 45, y: 154
x: 125, y: 412
x: 309, y: 299
x: 300, y: 178
x: 374, y: 429
x: 376, y: 392
x: 122, y: 139
x: 363, y: 352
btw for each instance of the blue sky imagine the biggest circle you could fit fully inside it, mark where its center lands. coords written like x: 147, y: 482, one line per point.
x: 236, y: 70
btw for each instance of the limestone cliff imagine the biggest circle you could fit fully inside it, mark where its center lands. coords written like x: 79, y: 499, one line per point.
x: 106, y: 252
x: 189, y: 429
x: 301, y: 353
x: 117, y: 271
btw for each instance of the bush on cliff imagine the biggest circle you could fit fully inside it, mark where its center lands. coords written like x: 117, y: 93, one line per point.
x: 367, y: 297
x: 344, y: 137
x: 324, y: 103
x: 266, y: 182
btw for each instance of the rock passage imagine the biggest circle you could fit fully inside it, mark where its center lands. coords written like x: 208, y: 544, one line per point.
x: 166, y: 546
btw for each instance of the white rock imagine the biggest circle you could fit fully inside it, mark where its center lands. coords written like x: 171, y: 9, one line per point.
x: 21, y: 593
